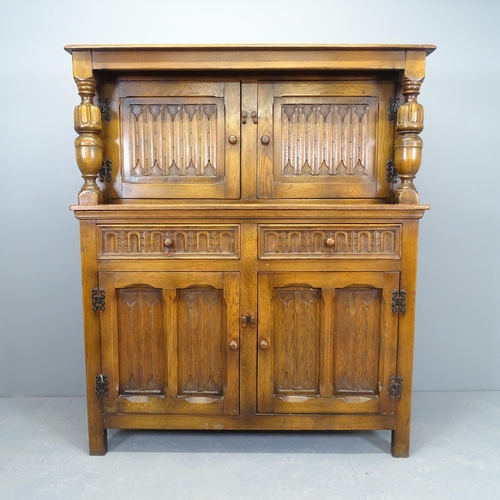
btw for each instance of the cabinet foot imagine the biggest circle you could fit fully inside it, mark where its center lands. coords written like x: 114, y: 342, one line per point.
x: 98, y: 443
x: 400, y: 444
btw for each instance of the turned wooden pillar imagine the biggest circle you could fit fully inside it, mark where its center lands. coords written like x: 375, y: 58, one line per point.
x: 410, y: 122
x: 88, y: 144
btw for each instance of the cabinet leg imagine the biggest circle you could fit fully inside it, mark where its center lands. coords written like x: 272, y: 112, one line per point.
x: 400, y: 443
x: 98, y: 441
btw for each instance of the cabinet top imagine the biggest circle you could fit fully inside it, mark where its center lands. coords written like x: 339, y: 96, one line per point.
x: 246, y: 57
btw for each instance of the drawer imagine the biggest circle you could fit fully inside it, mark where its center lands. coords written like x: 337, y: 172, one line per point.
x: 349, y: 241
x: 154, y: 241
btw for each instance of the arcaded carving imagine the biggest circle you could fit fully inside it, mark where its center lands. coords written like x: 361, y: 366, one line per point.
x: 318, y: 242
x: 172, y: 140
x: 183, y: 241
x: 324, y: 139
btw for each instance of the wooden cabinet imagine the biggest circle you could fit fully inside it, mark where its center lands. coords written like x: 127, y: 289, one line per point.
x: 249, y: 229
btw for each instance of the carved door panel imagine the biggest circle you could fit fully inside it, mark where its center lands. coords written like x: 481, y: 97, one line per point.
x: 170, y: 342
x: 327, y: 342
x: 170, y: 139
x: 324, y: 139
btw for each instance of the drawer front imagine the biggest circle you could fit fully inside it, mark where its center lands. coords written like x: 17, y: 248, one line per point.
x: 121, y: 241
x: 329, y: 242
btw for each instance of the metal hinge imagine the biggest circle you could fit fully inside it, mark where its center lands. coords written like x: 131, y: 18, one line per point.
x: 101, y: 385
x: 105, y: 171
x: 398, y: 301
x: 395, y: 387
x: 392, y: 173
x: 105, y: 106
x: 392, y: 108
x: 98, y: 299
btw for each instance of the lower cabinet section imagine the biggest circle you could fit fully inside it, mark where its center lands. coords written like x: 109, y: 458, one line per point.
x: 322, y: 342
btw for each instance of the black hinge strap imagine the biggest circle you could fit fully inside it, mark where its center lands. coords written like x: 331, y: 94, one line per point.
x: 398, y: 301
x: 101, y: 385
x: 392, y: 108
x: 395, y: 387
x: 98, y: 299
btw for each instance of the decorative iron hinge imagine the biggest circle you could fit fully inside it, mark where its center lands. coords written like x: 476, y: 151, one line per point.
x: 98, y: 299
x: 392, y: 173
x: 392, y: 108
x: 105, y: 171
x: 105, y: 107
x: 101, y: 385
x: 395, y: 387
x: 398, y: 301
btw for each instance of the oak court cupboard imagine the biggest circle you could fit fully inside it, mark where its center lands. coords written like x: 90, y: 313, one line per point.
x: 249, y: 228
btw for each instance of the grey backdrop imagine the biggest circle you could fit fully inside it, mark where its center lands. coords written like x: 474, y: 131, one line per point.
x: 41, y: 341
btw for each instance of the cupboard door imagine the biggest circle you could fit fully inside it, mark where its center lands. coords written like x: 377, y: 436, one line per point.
x: 324, y: 139
x: 326, y: 342
x: 170, y: 342
x: 174, y: 139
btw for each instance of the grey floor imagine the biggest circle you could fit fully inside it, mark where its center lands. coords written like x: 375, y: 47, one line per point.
x: 455, y: 455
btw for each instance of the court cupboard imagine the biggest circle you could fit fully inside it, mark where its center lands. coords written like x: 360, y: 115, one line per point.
x: 249, y: 227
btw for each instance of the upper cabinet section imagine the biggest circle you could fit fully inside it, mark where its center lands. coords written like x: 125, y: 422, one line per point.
x: 248, y: 122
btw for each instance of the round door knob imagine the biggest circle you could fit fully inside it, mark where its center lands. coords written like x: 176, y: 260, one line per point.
x: 330, y: 242
x: 169, y: 242
x: 264, y: 345
x: 232, y: 139
x: 265, y: 140
x: 233, y: 345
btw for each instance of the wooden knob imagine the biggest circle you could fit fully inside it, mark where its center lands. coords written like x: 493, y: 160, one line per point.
x: 169, y: 242
x: 233, y: 345
x: 330, y: 242
x: 232, y: 139
x: 264, y: 345
x: 265, y: 140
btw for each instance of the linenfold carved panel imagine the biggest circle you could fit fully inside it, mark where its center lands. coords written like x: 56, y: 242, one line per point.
x: 329, y: 242
x: 297, y: 323
x: 324, y: 139
x: 171, y: 138
x: 141, y: 341
x: 200, y: 320
x: 356, y: 340
x: 203, y: 241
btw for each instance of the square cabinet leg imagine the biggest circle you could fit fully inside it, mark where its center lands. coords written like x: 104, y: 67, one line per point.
x: 98, y: 442
x: 400, y: 443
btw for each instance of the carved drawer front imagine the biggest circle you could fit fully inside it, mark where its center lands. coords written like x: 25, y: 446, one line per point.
x: 325, y: 242
x: 153, y: 241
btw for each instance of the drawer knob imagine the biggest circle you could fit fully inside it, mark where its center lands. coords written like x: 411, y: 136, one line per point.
x: 265, y: 140
x: 233, y: 345
x: 232, y: 139
x: 169, y: 243
x: 330, y: 242
x: 264, y: 345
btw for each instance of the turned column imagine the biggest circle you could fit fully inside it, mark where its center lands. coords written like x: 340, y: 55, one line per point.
x: 88, y: 144
x: 410, y: 122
